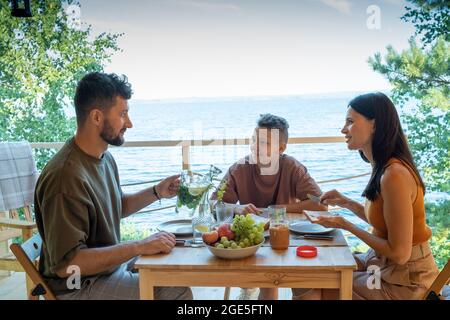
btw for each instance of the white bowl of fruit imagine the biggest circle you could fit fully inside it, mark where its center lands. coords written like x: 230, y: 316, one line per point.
x: 239, y: 240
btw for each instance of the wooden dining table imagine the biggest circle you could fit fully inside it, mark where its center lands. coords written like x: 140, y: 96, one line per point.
x: 332, y: 268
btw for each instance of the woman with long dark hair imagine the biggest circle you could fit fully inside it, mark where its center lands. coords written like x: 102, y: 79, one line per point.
x: 394, y: 208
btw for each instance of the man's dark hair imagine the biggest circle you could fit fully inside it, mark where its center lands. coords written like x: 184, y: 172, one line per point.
x: 99, y: 90
x: 270, y: 121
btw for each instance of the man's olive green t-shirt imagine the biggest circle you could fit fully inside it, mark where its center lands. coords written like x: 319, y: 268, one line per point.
x: 78, y: 205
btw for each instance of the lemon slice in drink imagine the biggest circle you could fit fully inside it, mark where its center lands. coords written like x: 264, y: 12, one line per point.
x: 196, y: 191
x: 202, y: 228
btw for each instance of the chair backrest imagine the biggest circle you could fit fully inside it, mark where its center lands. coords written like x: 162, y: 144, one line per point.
x: 442, y: 279
x: 26, y: 254
x: 18, y: 175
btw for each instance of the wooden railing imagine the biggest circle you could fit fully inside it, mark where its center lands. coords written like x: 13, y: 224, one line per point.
x: 186, y: 149
x: 187, y: 144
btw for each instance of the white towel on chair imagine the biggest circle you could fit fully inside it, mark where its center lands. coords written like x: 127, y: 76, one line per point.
x: 18, y: 175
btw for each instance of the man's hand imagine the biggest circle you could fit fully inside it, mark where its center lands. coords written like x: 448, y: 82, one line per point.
x: 251, y: 208
x: 161, y: 242
x: 168, y: 188
x: 96, y: 260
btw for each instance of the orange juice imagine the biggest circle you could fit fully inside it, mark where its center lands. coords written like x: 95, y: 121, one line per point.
x: 279, y: 236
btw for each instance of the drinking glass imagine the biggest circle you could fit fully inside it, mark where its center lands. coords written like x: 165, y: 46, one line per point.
x: 279, y: 227
x: 224, y: 213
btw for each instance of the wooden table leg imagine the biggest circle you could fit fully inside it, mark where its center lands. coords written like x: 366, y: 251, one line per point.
x: 346, y: 290
x: 146, y: 289
x: 226, y: 294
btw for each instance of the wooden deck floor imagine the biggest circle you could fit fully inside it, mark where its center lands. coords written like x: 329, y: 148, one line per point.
x: 13, y: 288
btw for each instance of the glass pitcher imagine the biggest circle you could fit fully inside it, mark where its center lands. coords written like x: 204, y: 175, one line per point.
x: 193, y: 190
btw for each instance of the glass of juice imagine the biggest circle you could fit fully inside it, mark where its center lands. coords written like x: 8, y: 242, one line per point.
x: 279, y: 228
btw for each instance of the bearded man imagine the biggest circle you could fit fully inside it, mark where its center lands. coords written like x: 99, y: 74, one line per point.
x: 79, y: 203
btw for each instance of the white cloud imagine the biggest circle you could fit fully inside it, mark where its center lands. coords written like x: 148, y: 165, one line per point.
x: 209, y: 5
x: 343, y: 6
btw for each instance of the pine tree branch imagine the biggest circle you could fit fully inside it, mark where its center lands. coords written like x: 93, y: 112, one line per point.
x: 408, y: 78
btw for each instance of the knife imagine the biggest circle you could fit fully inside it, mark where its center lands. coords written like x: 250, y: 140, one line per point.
x: 314, y: 237
x: 180, y: 242
x: 190, y: 243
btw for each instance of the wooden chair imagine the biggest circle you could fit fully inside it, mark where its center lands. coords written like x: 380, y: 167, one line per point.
x: 442, y: 279
x: 26, y: 255
x: 11, y: 227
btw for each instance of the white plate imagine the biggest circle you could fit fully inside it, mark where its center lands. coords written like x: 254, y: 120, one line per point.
x: 306, y: 227
x: 239, y: 208
x: 177, y: 227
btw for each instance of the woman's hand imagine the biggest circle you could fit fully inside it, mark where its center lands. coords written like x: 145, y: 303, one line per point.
x: 332, y: 222
x: 168, y: 188
x: 334, y: 198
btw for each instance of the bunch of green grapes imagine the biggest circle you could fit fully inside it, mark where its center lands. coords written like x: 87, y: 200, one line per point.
x: 247, y: 232
x: 227, y: 244
x: 221, y: 190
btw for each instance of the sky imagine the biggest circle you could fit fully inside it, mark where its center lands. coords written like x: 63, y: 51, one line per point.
x: 218, y: 48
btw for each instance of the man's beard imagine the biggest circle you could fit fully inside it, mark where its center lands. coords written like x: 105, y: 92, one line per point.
x: 107, y: 135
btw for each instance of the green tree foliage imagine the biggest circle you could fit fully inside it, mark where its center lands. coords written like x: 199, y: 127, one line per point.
x: 41, y: 60
x: 420, y: 80
x: 431, y: 19
x: 439, y: 220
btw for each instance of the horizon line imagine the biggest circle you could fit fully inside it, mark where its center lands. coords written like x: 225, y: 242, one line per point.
x: 260, y: 96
